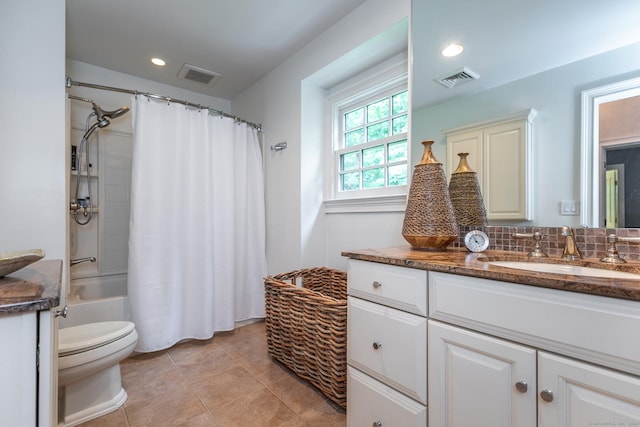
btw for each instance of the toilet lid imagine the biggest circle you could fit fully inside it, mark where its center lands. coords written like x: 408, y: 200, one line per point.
x: 76, y: 339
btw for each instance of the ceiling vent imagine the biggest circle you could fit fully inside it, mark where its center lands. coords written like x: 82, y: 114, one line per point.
x: 458, y: 77
x: 198, y: 75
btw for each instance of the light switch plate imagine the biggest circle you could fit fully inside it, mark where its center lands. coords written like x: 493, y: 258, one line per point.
x: 569, y: 207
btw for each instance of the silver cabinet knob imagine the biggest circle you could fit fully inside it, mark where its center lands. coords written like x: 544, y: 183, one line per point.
x: 376, y: 284
x: 377, y: 345
x: 546, y: 395
x: 522, y: 386
x: 377, y: 424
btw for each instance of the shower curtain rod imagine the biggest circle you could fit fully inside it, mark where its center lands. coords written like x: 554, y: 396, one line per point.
x: 70, y: 82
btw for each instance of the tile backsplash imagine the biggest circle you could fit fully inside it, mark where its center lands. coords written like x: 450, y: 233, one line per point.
x: 592, y: 242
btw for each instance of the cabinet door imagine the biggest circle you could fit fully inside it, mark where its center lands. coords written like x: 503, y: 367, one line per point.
x: 505, y: 170
x: 477, y: 380
x: 467, y: 142
x: 371, y: 402
x: 18, y: 334
x: 390, y: 345
x: 577, y: 394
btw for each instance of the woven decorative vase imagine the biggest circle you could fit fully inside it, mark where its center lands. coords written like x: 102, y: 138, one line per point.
x: 465, y: 194
x: 429, y: 220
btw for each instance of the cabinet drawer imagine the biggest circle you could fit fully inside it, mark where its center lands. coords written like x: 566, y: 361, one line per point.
x: 390, y: 345
x: 589, y: 327
x: 370, y: 401
x: 398, y: 287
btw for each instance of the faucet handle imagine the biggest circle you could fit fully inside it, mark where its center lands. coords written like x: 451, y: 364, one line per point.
x: 537, y: 237
x: 612, y: 252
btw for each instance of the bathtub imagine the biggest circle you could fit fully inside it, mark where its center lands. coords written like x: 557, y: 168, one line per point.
x: 97, y: 299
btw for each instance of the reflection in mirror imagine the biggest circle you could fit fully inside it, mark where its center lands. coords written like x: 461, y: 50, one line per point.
x: 610, y: 141
x: 541, y: 55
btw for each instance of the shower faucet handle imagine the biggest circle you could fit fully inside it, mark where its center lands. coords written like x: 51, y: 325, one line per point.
x: 62, y: 312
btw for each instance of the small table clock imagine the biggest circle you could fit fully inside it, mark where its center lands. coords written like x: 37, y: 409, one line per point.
x: 476, y: 241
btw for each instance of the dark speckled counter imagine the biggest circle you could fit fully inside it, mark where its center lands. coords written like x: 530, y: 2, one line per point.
x: 33, y: 288
x: 459, y: 261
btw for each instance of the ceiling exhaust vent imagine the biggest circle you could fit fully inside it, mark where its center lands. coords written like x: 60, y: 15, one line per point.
x: 198, y: 75
x: 458, y: 77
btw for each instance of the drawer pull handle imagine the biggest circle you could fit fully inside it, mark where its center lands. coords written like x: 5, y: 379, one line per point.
x: 377, y: 345
x: 546, y: 395
x: 376, y: 284
x: 377, y: 424
x: 522, y: 386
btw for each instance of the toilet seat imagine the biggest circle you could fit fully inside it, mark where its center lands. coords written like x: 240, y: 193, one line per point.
x: 82, y: 338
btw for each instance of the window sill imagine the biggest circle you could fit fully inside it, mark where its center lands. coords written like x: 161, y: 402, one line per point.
x: 396, y: 203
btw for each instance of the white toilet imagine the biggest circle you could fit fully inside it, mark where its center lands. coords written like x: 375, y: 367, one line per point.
x: 89, y: 383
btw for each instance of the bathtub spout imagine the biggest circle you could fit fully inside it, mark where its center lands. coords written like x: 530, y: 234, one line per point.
x: 79, y: 260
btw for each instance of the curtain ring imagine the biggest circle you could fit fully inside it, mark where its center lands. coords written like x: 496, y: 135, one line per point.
x: 135, y: 94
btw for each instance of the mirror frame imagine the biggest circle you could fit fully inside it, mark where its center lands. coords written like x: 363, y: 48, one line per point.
x: 591, y: 151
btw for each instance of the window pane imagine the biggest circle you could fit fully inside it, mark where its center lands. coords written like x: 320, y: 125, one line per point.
x: 400, y: 124
x: 378, y: 110
x: 397, y: 175
x: 373, y: 156
x: 354, y: 138
x: 350, y: 181
x: 397, y: 151
x: 354, y: 119
x: 377, y: 131
x: 373, y: 178
x: 349, y: 161
x: 400, y: 102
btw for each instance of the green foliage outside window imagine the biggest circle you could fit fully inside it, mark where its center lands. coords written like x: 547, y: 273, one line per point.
x: 375, y: 166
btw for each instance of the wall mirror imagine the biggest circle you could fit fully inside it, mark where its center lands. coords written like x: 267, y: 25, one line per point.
x: 611, y: 145
x: 519, y: 55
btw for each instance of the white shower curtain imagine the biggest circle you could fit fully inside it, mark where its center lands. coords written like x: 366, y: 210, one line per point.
x: 197, y: 228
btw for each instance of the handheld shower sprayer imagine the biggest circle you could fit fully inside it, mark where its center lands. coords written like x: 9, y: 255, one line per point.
x: 103, y: 119
x: 101, y: 114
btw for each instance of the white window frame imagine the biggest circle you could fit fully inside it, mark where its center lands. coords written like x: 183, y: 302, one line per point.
x: 388, y: 78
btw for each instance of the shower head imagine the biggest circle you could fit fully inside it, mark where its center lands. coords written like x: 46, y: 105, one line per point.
x: 102, y: 115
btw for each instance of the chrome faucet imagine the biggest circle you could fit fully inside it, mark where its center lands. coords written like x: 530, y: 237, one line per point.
x: 612, y: 252
x: 571, y: 251
x: 537, y: 237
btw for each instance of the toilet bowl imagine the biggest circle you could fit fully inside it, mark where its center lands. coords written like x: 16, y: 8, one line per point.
x: 89, y: 383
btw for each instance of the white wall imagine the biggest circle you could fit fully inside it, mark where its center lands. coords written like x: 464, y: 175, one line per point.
x: 299, y: 234
x: 32, y: 120
x: 555, y: 94
x: 33, y: 195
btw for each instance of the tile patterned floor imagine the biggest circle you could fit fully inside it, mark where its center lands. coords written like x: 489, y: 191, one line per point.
x: 227, y: 381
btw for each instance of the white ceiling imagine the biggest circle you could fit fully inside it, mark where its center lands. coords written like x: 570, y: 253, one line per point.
x: 506, y: 40
x: 242, y: 40
x: 245, y: 39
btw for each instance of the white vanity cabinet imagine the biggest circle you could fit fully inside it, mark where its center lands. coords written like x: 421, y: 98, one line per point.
x: 477, y: 380
x: 500, y: 353
x: 387, y: 345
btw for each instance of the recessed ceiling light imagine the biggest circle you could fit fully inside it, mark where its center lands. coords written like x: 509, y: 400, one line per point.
x: 158, y: 61
x: 453, y: 49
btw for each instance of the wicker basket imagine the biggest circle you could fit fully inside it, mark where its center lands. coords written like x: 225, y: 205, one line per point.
x: 307, y: 327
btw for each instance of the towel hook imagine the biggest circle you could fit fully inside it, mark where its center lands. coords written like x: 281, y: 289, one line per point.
x: 279, y: 146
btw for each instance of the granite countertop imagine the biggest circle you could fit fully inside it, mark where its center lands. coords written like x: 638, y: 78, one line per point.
x: 32, y: 288
x: 460, y: 261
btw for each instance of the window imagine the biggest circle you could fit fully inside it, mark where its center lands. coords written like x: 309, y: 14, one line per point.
x: 371, y: 152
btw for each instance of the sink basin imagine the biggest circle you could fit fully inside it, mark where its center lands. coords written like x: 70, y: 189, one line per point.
x: 15, y: 260
x: 576, y: 270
